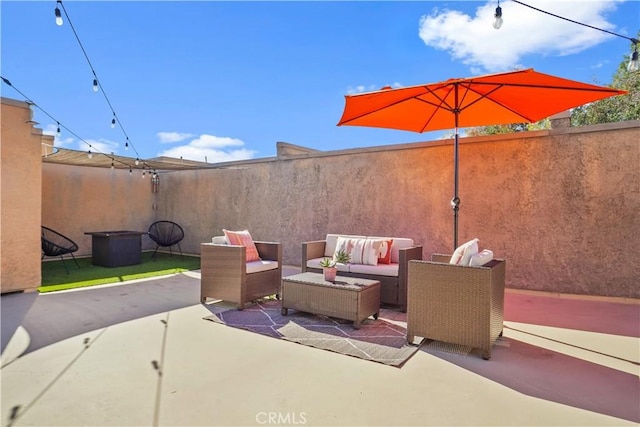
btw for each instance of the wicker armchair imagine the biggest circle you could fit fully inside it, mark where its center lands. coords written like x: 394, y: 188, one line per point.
x: 226, y: 275
x: 456, y: 304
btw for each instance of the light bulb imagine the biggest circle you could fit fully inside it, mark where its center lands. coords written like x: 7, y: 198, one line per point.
x: 112, y: 166
x: 137, y: 161
x: 113, y: 123
x: 95, y: 85
x: 58, y: 17
x: 89, y: 155
x: 633, y: 63
x: 143, y: 173
x: 126, y: 145
x: 58, y: 131
x: 497, y: 22
x: 130, y: 171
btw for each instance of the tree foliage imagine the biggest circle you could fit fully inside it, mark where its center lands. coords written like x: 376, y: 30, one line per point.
x: 617, y: 108
x: 614, y: 109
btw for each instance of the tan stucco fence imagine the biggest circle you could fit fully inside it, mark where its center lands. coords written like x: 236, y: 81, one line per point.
x: 562, y: 206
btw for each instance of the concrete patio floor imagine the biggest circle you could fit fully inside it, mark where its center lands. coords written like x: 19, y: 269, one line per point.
x: 139, y: 354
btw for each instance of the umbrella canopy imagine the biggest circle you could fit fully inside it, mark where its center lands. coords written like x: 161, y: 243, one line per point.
x: 503, y: 98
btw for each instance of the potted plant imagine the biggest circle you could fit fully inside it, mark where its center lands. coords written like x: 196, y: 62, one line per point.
x: 329, y: 265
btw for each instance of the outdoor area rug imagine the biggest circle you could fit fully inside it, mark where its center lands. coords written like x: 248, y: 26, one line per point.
x: 383, y: 340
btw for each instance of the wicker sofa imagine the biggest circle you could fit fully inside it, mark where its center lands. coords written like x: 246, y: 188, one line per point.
x: 226, y: 275
x: 392, y: 277
x: 456, y: 304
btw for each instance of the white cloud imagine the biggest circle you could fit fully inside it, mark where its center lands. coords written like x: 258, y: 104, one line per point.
x: 170, y: 137
x: 474, y: 41
x: 370, y: 88
x: 211, y: 148
x: 102, y: 146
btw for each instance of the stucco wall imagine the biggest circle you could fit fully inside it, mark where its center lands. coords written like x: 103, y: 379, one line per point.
x: 20, y: 192
x: 561, y: 206
x: 78, y: 199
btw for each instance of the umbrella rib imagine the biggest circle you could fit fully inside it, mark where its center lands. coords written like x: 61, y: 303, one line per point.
x: 487, y: 96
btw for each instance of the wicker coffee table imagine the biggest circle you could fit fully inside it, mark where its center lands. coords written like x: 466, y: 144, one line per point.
x: 347, y: 298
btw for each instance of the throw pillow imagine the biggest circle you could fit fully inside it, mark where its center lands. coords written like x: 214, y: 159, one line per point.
x: 481, y: 258
x: 243, y: 238
x: 463, y: 253
x: 361, y: 251
x: 385, y: 252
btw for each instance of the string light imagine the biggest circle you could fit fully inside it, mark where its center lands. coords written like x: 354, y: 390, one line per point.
x: 58, y: 15
x: 130, y: 171
x: 137, y: 161
x: 497, y: 22
x: 99, y: 86
x: 113, y: 158
x: 633, y: 62
x: 58, y: 130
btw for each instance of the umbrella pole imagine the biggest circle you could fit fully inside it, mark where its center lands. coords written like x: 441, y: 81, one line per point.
x: 455, y: 202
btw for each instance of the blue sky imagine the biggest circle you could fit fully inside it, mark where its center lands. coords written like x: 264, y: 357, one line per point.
x: 227, y: 80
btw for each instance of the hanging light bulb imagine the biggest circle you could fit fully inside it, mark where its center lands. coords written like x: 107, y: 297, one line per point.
x: 113, y: 121
x: 58, y: 131
x: 112, y: 166
x: 89, y: 155
x: 95, y: 85
x: 130, y: 171
x: 137, y: 161
x: 143, y: 172
x: 633, y: 62
x: 126, y: 144
x: 497, y: 21
x: 58, y: 15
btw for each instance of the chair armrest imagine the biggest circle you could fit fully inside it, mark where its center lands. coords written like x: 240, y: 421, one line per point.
x: 404, y: 256
x: 311, y: 250
x: 271, y: 251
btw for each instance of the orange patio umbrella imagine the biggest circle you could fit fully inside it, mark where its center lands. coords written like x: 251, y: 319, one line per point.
x: 503, y: 98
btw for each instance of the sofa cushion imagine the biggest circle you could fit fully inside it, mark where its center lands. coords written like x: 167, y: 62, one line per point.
x: 332, y: 239
x: 262, y: 265
x: 315, y: 263
x: 219, y: 240
x: 398, y: 243
x: 390, y: 270
x: 243, y: 238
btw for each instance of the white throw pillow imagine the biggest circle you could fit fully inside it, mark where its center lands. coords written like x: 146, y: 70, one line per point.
x: 462, y: 254
x: 361, y: 251
x: 481, y: 258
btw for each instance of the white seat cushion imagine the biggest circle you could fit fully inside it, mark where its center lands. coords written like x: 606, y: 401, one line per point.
x: 390, y: 270
x: 315, y: 263
x: 263, y: 265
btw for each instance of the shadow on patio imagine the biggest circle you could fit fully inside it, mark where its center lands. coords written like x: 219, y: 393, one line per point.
x: 140, y: 354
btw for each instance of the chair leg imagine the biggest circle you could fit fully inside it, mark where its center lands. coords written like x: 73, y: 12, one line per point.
x: 65, y: 265
x: 180, y: 249
x: 153, y: 257
x: 74, y: 260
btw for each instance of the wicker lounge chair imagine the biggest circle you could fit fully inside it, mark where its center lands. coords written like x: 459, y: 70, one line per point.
x: 166, y: 234
x: 226, y: 275
x: 456, y: 304
x: 56, y: 244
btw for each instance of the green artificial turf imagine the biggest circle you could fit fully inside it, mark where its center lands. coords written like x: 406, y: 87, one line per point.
x: 55, y: 277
